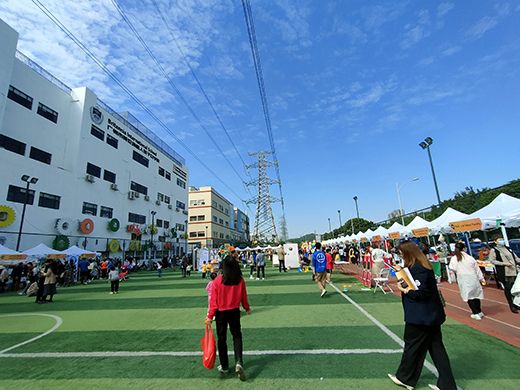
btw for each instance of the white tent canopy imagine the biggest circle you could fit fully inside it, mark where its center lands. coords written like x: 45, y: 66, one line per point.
x: 380, y: 231
x: 6, y: 251
x: 75, y: 251
x: 396, y: 228
x: 442, y: 223
x: 503, y: 207
x: 41, y: 250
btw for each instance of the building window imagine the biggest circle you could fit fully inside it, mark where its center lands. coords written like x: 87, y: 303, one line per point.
x: 201, y: 234
x: 97, y: 132
x: 193, y: 202
x: 226, y: 211
x: 40, y: 155
x: 166, y: 199
x: 166, y: 224
x: 214, y: 219
x: 106, y: 212
x: 138, y: 188
x: 93, y: 170
x: 221, y: 221
x: 12, y: 145
x: 47, y: 112
x: 193, y: 218
x: 161, y: 171
x: 168, y: 175
x: 109, y: 176
x: 89, y: 208
x: 160, y: 197
x: 112, y: 141
x: 215, y: 234
x: 227, y: 223
x: 20, y: 97
x: 201, y: 218
x: 220, y: 207
x: 49, y: 201
x: 227, y: 236
x: 193, y: 234
x: 137, y: 218
x: 140, y: 159
x: 181, y: 184
x: 221, y: 235
x: 159, y: 222
x: 180, y: 205
x: 214, y: 204
x: 179, y: 226
x: 201, y: 202
x: 19, y: 195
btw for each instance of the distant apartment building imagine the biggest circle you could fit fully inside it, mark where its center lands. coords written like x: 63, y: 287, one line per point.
x: 214, y: 221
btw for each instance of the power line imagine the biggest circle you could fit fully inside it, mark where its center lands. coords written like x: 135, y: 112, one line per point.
x: 248, y: 13
x: 172, y: 84
x: 57, y: 22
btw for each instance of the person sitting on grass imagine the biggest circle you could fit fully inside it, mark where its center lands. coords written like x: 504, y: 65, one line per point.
x: 228, y: 292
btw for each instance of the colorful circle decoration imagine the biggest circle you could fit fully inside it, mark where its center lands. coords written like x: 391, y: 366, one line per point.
x: 113, y: 225
x: 131, y: 227
x: 7, y: 216
x: 114, y: 246
x: 64, y: 226
x: 60, y: 243
x: 137, y: 231
x: 153, y: 229
x: 132, y: 246
x: 86, y: 226
x: 168, y: 245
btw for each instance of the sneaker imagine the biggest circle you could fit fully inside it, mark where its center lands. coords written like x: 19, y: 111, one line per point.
x: 117, y: 292
x: 398, y: 382
x: 221, y: 370
x: 20, y: 293
x: 257, y: 278
x: 434, y: 387
x: 481, y: 314
x: 476, y: 317
x: 111, y: 293
x: 251, y: 277
x: 240, y: 371
x: 263, y: 278
x: 323, y: 293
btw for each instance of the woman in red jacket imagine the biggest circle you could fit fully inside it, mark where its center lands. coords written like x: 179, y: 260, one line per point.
x: 229, y: 291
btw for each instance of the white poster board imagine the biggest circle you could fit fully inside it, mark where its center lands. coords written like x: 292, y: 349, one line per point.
x: 292, y: 259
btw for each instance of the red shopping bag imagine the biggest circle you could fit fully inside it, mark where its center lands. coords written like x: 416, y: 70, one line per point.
x: 209, y: 349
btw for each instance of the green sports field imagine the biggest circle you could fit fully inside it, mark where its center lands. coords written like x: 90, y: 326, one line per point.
x: 148, y: 337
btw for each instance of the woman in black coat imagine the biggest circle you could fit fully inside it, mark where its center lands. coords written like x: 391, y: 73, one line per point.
x: 423, y: 316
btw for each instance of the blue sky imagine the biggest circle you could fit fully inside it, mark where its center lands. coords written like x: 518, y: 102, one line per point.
x: 352, y: 86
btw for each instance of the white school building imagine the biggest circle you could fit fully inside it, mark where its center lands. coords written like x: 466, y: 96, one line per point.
x: 99, y: 178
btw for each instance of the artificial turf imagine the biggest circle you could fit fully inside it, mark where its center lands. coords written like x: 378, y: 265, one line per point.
x: 166, y: 315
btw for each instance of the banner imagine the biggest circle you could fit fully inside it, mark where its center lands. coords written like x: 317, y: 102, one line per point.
x: 467, y: 225
x: 13, y: 257
x: 363, y: 239
x: 376, y: 238
x: 420, y: 232
x: 395, y: 235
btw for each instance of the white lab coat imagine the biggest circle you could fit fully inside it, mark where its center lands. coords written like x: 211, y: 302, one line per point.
x: 469, y: 277
x: 515, y: 291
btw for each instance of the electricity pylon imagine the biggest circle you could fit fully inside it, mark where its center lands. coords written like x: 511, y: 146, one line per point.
x: 265, y: 227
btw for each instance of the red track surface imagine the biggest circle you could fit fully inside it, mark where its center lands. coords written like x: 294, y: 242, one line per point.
x: 498, y: 319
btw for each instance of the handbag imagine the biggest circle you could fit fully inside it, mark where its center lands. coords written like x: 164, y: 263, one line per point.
x: 209, y: 350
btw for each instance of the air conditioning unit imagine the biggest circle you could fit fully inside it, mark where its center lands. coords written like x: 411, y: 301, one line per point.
x: 170, y: 206
x: 136, y: 194
x: 113, y: 187
x: 158, y: 202
x: 131, y: 195
x: 177, y: 209
x: 147, y: 198
x: 90, y: 178
x: 185, y: 212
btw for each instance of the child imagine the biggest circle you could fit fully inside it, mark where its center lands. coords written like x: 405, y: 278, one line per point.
x: 228, y: 292
x: 330, y: 264
x: 209, y: 287
x: 113, y: 279
x: 203, y: 270
x: 159, y: 268
x: 188, y: 270
x: 209, y: 269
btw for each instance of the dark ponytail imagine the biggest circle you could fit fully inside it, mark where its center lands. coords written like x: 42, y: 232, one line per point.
x: 459, y: 248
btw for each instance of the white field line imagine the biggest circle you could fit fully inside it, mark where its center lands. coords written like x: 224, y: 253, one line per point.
x: 56, y: 326
x: 485, y: 317
x: 490, y: 300
x: 392, y: 335
x: 187, y: 354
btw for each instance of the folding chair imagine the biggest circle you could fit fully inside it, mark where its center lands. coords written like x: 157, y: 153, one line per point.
x: 382, y: 280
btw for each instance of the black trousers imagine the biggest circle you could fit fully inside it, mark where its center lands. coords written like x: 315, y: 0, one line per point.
x: 222, y: 319
x: 258, y: 268
x: 114, y: 286
x: 474, y: 305
x: 281, y: 264
x: 418, y: 340
x: 508, y: 285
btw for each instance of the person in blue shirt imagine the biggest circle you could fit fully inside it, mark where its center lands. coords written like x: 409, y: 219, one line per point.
x: 319, y: 263
x: 83, y: 271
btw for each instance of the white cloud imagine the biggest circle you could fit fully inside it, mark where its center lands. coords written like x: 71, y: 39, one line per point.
x: 483, y: 25
x: 450, y: 51
x: 444, y: 8
x: 371, y: 96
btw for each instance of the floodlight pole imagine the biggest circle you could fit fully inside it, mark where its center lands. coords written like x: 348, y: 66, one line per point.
x: 29, y: 181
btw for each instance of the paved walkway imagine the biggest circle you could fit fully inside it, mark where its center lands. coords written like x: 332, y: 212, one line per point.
x: 498, y: 320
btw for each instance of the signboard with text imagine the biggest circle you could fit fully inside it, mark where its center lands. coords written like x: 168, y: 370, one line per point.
x: 394, y: 235
x: 420, y: 232
x: 467, y: 225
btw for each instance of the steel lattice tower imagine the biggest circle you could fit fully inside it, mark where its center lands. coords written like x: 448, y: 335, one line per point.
x: 265, y: 227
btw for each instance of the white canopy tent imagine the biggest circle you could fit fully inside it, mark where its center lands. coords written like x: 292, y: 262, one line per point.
x: 441, y: 225
x: 380, y: 231
x: 417, y: 223
x: 10, y: 257
x: 76, y: 251
x: 41, y: 250
x: 396, y: 228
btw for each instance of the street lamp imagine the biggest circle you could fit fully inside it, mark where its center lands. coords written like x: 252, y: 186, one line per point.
x: 29, y: 181
x: 339, y: 214
x: 206, y: 236
x: 357, y: 211
x: 426, y: 145
x: 186, y: 235
x: 330, y: 229
x: 399, y: 196
x: 153, y: 226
